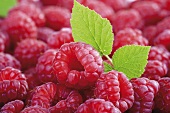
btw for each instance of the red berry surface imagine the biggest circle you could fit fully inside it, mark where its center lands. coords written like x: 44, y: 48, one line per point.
x: 44, y: 66
x: 19, y: 26
x: 108, y: 12
x: 32, y: 78
x: 148, y: 10
x: 42, y: 95
x: 77, y: 65
x: 159, y: 53
x: 145, y: 91
x: 117, y: 4
x: 127, y: 18
x: 57, y: 17
x: 4, y: 41
x: 13, y: 85
x: 56, y: 39
x: 115, y: 87
x: 32, y: 11
x: 9, y: 60
x: 13, y: 107
x: 163, y: 25
x: 97, y: 106
x: 162, y: 100
x: 69, y: 105
x: 34, y: 109
x: 44, y: 33
x: 163, y: 39
x: 129, y: 36
x: 28, y: 51
x: 155, y: 69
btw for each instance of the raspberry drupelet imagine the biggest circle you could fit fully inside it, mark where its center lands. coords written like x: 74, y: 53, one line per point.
x: 115, y: 87
x: 34, y: 109
x: 77, y: 65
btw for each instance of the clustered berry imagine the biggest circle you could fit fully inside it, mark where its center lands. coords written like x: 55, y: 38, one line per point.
x: 42, y: 69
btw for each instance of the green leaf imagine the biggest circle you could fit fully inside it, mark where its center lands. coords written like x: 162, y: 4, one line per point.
x: 107, y: 67
x: 5, y: 5
x: 91, y: 28
x: 131, y: 60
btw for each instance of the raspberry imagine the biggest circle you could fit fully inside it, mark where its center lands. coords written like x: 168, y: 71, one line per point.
x: 115, y: 87
x: 32, y: 11
x: 162, y: 99
x: 117, y: 4
x: 155, y: 69
x: 32, y: 78
x: 42, y: 95
x: 8, y: 60
x: 28, y: 51
x: 163, y: 39
x: 19, y: 26
x: 145, y: 91
x: 4, y: 41
x: 57, y: 17
x: 150, y: 32
x: 44, y: 33
x: 97, y: 106
x: 57, y: 39
x: 127, y: 18
x: 77, y: 65
x: 13, y: 85
x: 34, y: 109
x: 148, y: 10
x: 129, y: 36
x: 107, y: 13
x: 13, y: 107
x: 69, y: 105
x: 163, y: 25
x: 159, y: 53
x: 44, y: 66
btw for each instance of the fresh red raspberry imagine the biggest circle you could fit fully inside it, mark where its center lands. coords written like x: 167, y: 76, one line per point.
x: 163, y: 3
x: 32, y: 78
x: 108, y: 12
x: 129, y: 36
x: 8, y: 60
x: 56, y: 39
x: 69, y: 105
x: 163, y: 25
x: 57, y: 17
x: 97, y: 106
x: 44, y: 66
x: 163, y: 39
x: 13, y: 85
x: 19, y: 26
x: 13, y: 107
x: 148, y: 10
x: 150, y: 32
x: 42, y: 95
x: 35, y: 109
x: 28, y: 51
x: 162, y: 99
x: 159, y: 53
x: 117, y: 4
x: 77, y: 65
x: 44, y: 33
x: 155, y: 69
x: 32, y: 11
x: 145, y: 91
x: 127, y: 18
x: 115, y: 87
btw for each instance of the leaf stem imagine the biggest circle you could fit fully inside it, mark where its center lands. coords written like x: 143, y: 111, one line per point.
x: 110, y: 60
